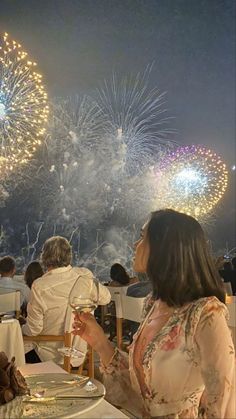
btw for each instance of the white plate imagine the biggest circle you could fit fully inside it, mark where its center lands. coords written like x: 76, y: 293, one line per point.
x: 54, y: 409
x: 55, y: 383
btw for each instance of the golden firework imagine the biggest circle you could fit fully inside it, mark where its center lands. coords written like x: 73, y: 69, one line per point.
x: 23, y: 106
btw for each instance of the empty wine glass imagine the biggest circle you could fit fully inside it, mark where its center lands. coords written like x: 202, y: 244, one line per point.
x: 83, y: 298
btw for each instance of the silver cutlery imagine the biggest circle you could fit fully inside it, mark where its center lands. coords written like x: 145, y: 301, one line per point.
x: 31, y: 399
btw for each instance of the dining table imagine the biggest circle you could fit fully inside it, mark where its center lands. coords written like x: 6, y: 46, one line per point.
x: 11, y: 340
x: 104, y: 410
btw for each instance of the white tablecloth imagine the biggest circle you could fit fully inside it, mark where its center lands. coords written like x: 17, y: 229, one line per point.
x: 11, y: 341
x: 103, y: 411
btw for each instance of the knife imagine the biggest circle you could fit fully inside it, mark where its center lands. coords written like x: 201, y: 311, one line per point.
x: 61, y: 397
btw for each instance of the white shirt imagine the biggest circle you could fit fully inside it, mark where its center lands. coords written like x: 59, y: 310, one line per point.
x: 10, y: 283
x: 48, y: 306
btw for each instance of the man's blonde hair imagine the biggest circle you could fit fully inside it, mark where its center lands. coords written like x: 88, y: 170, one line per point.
x: 56, y: 252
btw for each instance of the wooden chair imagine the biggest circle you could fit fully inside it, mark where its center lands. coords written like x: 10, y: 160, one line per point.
x: 128, y: 308
x: 10, y: 301
x: 132, y: 308
x: 116, y: 293
x: 66, y: 339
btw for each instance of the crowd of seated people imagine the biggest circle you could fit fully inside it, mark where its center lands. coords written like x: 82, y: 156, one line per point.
x: 44, y: 292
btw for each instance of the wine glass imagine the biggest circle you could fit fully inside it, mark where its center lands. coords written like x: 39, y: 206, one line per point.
x: 83, y: 298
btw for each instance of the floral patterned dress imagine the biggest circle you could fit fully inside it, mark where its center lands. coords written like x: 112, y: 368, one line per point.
x: 187, y: 369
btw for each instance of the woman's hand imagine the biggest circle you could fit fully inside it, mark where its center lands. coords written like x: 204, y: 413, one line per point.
x: 86, y: 326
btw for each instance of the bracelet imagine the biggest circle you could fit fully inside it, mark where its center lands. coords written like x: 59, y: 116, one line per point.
x: 109, y: 367
x: 113, y: 356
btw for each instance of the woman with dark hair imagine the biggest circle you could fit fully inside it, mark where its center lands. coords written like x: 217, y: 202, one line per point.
x: 181, y: 361
x: 120, y: 277
x: 33, y: 271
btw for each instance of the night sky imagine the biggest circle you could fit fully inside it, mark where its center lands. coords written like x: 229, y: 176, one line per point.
x: 78, y: 43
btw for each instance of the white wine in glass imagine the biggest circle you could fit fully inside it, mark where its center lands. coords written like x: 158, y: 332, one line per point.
x: 82, y: 300
x: 82, y: 305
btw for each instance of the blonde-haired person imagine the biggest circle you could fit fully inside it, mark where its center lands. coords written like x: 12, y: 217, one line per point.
x: 47, y: 308
x: 56, y: 253
x: 181, y: 363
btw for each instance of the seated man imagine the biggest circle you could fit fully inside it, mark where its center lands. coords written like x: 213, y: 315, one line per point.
x: 49, y: 300
x: 7, y: 271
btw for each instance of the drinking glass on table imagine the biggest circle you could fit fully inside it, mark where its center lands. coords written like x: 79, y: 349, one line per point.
x: 82, y: 301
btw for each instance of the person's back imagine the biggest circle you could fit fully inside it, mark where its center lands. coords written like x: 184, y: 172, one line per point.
x: 54, y: 288
x: 139, y: 289
x: 50, y: 295
x: 47, y: 309
x: 7, y: 281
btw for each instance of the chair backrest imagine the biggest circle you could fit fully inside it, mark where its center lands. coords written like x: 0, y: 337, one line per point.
x: 116, y: 294
x: 10, y: 301
x: 132, y: 308
x: 66, y: 339
x: 119, y: 290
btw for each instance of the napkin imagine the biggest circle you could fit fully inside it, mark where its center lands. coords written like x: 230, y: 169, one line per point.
x: 12, y: 383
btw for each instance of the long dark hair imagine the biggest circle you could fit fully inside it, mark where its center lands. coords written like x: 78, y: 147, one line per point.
x: 119, y: 274
x: 33, y: 271
x: 180, y: 266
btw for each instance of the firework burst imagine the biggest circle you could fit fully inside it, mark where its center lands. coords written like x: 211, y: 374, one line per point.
x: 23, y: 106
x: 71, y: 177
x: 93, y: 173
x: 137, y: 120
x: 192, y: 179
x: 87, y: 155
